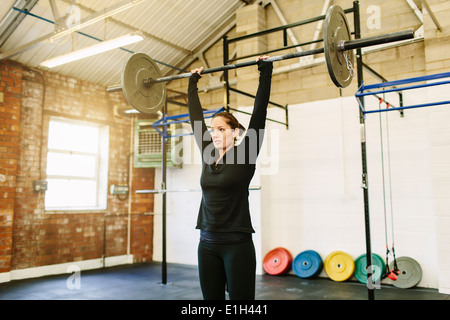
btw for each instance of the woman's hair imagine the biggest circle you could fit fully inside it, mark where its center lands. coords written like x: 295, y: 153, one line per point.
x: 231, y: 121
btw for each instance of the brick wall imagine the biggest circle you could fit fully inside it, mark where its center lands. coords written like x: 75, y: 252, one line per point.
x: 32, y: 237
x: 10, y: 102
x: 142, y: 224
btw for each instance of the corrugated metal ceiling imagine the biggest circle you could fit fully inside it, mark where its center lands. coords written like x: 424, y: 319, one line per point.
x: 174, y: 30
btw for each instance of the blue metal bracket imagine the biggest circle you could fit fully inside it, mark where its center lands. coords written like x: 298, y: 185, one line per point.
x: 168, y: 120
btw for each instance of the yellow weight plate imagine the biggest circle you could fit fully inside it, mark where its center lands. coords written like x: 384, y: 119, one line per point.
x: 339, y: 266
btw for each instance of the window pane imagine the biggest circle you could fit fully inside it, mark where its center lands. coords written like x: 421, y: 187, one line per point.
x: 77, y: 165
x: 73, y: 136
x: 65, y: 164
x: 70, y: 193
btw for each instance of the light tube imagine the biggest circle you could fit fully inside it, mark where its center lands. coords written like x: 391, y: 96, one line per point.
x: 93, y: 50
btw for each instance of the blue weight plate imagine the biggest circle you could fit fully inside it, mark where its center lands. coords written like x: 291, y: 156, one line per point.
x: 307, y: 264
x: 378, y: 267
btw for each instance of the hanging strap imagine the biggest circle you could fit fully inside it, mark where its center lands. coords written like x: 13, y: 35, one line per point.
x: 395, y: 269
x: 388, y: 272
x: 386, y: 268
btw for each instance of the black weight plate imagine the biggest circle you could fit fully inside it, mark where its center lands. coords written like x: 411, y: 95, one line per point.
x: 146, y: 99
x: 337, y: 29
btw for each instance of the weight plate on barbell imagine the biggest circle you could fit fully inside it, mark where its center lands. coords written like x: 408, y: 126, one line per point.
x: 339, y: 266
x: 336, y: 29
x: 144, y: 98
x: 378, y: 267
x: 410, y: 273
x: 277, y: 261
x: 307, y: 264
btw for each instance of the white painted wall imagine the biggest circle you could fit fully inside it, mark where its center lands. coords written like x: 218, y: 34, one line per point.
x: 315, y: 200
x: 311, y: 196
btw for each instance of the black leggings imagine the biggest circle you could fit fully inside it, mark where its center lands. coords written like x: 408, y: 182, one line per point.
x: 231, y: 264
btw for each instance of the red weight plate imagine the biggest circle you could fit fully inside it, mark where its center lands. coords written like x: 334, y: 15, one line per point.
x: 277, y: 261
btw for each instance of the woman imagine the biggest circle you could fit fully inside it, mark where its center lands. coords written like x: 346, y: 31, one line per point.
x: 226, y: 254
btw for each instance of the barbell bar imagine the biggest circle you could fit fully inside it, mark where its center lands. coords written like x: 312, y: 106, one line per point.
x: 156, y: 191
x: 144, y: 88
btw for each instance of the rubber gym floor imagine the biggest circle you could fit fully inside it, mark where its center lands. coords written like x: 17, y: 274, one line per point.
x: 143, y: 282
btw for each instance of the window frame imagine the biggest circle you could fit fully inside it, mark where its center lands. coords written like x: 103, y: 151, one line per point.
x: 101, y: 167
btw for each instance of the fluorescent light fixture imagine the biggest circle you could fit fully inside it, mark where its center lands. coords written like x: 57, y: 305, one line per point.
x: 92, y: 50
x: 96, y: 17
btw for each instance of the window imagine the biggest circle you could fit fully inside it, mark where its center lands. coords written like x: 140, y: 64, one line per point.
x: 77, y: 165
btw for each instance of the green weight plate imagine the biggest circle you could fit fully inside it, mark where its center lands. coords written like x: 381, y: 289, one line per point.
x: 410, y: 273
x: 336, y: 29
x: 146, y: 99
x: 378, y: 267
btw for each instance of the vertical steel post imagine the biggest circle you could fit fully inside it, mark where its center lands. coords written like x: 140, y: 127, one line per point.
x: 163, y: 186
x: 364, y: 185
x: 225, y: 75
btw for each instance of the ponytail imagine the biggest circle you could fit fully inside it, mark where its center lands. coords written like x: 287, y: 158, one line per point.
x: 241, y: 130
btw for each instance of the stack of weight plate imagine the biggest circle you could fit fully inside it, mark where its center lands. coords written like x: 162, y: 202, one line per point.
x: 339, y: 266
x: 277, y: 261
x: 307, y: 264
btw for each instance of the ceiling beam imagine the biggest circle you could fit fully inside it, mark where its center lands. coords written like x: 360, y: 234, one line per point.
x: 95, y: 17
x: 13, y: 18
x: 215, y: 36
x: 432, y: 16
x: 416, y: 10
x: 127, y: 26
x: 62, y: 29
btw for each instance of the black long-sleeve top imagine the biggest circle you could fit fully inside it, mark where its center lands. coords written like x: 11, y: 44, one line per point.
x: 224, y: 206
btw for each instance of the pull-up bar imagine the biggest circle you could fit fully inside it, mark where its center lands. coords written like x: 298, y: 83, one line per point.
x: 386, y: 87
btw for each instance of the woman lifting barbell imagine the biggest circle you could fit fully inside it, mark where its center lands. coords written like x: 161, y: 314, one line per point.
x: 226, y: 254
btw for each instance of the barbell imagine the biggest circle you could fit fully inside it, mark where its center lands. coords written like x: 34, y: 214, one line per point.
x: 144, y: 89
x: 155, y: 191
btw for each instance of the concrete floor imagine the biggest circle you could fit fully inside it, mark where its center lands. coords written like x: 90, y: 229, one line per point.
x: 143, y: 282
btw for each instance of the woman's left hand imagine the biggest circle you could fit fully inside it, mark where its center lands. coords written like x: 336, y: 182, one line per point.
x: 198, y: 70
x: 262, y: 58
